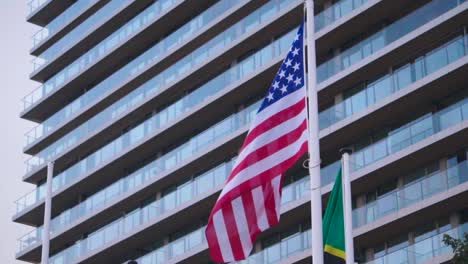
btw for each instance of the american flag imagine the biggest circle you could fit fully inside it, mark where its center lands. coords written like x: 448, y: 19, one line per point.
x: 250, y: 200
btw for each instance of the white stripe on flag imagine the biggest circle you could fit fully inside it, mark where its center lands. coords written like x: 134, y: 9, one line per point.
x: 259, y: 204
x: 285, y: 102
x: 222, y: 235
x: 273, y: 134
x: 276, y: 184
x: 242, y: 225
x: 265, y: 164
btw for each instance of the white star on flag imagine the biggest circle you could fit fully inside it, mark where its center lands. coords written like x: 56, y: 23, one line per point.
x: 282, y: 74
x: 295, y: 52
x: 284, y: 89
x: 290, y: 78
x: 275, y: 85
x: 297, y: 81
x: 288, y: 62
x: 270, y: 96
x: 296, y: 66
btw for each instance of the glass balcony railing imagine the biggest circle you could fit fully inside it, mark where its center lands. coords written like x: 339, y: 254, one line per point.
x: 289, y: 246
x: 99, y: 51
x: 245, y: 68
x: 104, y: 13
x: 185, y: 244
x: 213, y: 135
x: 410, y: 134
x: 422, y: 251
x: 170, y: 76
x: 160, y: 120
x: 34, y: 5
x: 391, y: 83
x: 362, y: 158
x: 130, y: 70
x: 143, y: 61
x: 410, y: 194
x: 336, y: 11
x: 383, y: 38
x: 61, y: 21
x: 401, y: 138
x: 207, y: 181
x: 397, y: 200
x: 137, y: 218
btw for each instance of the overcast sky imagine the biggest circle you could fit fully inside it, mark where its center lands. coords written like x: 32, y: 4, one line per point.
x: 15, y: 43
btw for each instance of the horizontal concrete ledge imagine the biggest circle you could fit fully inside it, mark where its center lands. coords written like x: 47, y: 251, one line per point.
x: 393, y: 54
x: 64, y: 29
x: 48, y: 11
x: 134, y: 81
x: 355, y: 178
x: 396, y: 109
x: 88, y: 40
x: 406, y: 218
x: 186, y: 82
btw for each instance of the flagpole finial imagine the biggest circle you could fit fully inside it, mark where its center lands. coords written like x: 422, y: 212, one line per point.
x: 346, y: 150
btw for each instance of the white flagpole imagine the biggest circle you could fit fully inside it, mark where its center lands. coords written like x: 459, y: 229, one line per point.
x: 314, y: 148
x: 348, y: 218
x: 47, y: 213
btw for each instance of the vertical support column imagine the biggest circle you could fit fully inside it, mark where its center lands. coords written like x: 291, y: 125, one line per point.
x: 47, y: 213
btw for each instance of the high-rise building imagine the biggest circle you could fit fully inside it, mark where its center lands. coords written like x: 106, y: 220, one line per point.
x: 143, y: 105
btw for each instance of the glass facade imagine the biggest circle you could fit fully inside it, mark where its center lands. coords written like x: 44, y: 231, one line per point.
x: 411, y: 134
x: 152, y: 87
x: 386, y: 36
x: 62, y: 20
x: 138, y: 65
x: 134, y: 220
x: 423, y: 249
x: 178, y: 175
x: 400, y: 78
x: 162, y: 119
x: 411, y: 193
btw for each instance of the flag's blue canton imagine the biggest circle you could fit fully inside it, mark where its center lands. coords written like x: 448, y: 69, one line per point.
x: 290, y: 76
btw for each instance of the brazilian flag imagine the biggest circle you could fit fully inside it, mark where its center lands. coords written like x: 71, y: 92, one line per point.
x: 333, y: 226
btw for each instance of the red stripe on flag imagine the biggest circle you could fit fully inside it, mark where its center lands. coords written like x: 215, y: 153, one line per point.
x: 274, y: 121
x: 270, y: 206
x: 213, y: 242
x: 269, y: 149
x: 250, y: 214
x: 267, y: 175
x: 231, y: 227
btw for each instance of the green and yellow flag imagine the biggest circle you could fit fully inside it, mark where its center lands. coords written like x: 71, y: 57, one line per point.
x: 333, y: 226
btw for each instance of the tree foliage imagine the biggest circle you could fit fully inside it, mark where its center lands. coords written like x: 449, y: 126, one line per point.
x: 459, y: 247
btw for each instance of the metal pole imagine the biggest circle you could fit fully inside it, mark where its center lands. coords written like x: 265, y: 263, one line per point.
x: 47, y: 212
x: 348, y: 218
x: 314, y: 148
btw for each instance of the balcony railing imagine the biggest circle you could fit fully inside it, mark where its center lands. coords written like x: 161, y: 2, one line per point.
x: 99, y: 51
x: 205, y: 182
x: 410, y: 194
x: 141, y: 63
x: 130, y: 70
x: 386, y: 36
x: 411, y: 134
x: 141, y: 216
x: 159, y: 121
x: 289, y: 246
x: 399, y: 79
x: 61, y: 21
x: 423, y: 250
x: 34, y: 5
x: 65, y: 42
x: 144, y: 61
x: 336, y: 11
